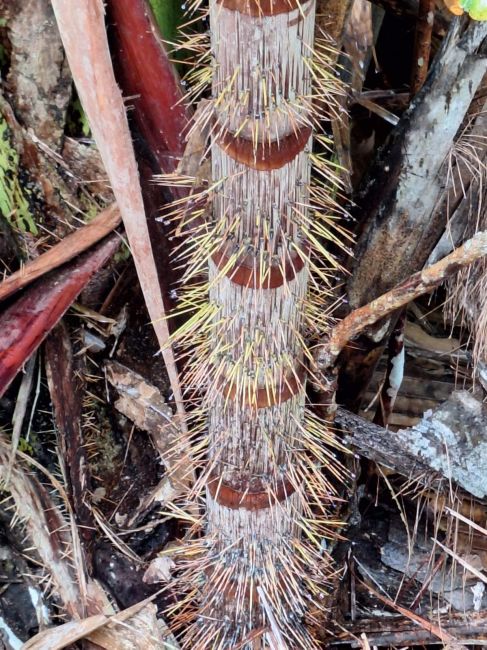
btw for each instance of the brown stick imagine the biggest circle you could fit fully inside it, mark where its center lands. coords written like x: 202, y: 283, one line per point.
x: 428, y: 626
x: 66, y: 250
x: 422, y: 44
x: 418, y: 284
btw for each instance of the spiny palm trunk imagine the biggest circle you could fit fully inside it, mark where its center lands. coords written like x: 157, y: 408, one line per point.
x: 258, y: 276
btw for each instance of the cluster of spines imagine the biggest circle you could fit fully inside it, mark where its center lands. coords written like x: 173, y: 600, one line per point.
x: 220, y: 373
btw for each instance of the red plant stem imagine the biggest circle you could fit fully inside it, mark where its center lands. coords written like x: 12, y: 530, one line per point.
x: 26, y: 323
x: 68, y: 248
x: 422, y: 44
x: 91, y: 66
x: 148, y: 77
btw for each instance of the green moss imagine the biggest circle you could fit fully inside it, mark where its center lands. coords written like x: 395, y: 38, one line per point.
x: 14, y: 204
x: 77, y: 124
x: 25, y: 447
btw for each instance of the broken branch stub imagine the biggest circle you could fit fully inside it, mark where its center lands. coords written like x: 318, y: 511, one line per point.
x: 448, y: 443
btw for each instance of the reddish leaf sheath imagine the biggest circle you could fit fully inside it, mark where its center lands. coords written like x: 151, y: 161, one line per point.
x: 26, y: 323
x: 148, y: 77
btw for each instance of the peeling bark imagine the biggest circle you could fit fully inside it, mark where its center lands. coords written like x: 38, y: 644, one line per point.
x: 399, y: 198
x: 447, y: 444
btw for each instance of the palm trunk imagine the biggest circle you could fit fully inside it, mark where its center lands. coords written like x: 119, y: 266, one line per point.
x: 260, y: 160
x: 264, y: 478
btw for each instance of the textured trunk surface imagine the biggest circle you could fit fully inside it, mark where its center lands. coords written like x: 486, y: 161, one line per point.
x: 260, y: 572
x: 260, y: 160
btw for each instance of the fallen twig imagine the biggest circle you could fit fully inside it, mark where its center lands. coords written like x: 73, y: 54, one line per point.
x: 444, y: 637
x: 66, y: 250
x: 26, y: 323
x: 446, y: 444
x: 133, y: 628
x: 417, y: 285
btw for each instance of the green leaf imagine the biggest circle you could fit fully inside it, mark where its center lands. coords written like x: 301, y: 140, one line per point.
x: 168, y: 14
x: 477, y: 9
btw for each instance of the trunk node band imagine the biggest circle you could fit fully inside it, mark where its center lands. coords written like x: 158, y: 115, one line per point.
x: 229, y: 497
x: 249, y: 273
x: 265, y: 156
x: 265, y: 398
x: 260, y: 7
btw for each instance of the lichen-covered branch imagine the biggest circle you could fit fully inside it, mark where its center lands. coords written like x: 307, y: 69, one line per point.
x: 418, y: 284
x: 446, y: 445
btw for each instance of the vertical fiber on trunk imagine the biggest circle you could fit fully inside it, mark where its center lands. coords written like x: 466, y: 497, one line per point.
x: 260, y: 573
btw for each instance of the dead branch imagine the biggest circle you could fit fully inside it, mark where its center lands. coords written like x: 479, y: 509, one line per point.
x: 66, y: 250
x: 447, y: 441
x: 417, y: 285
x: 381, y: 446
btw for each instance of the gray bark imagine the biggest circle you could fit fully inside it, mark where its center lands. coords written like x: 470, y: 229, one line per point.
x: 448, y: 443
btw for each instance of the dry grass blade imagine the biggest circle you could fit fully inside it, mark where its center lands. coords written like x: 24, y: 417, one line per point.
x: 20, y: 410
x: 66, y: 250
x: 91, y: 66
x: 466, y: 520
x: 48, y: 530
x: 466, y: 565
